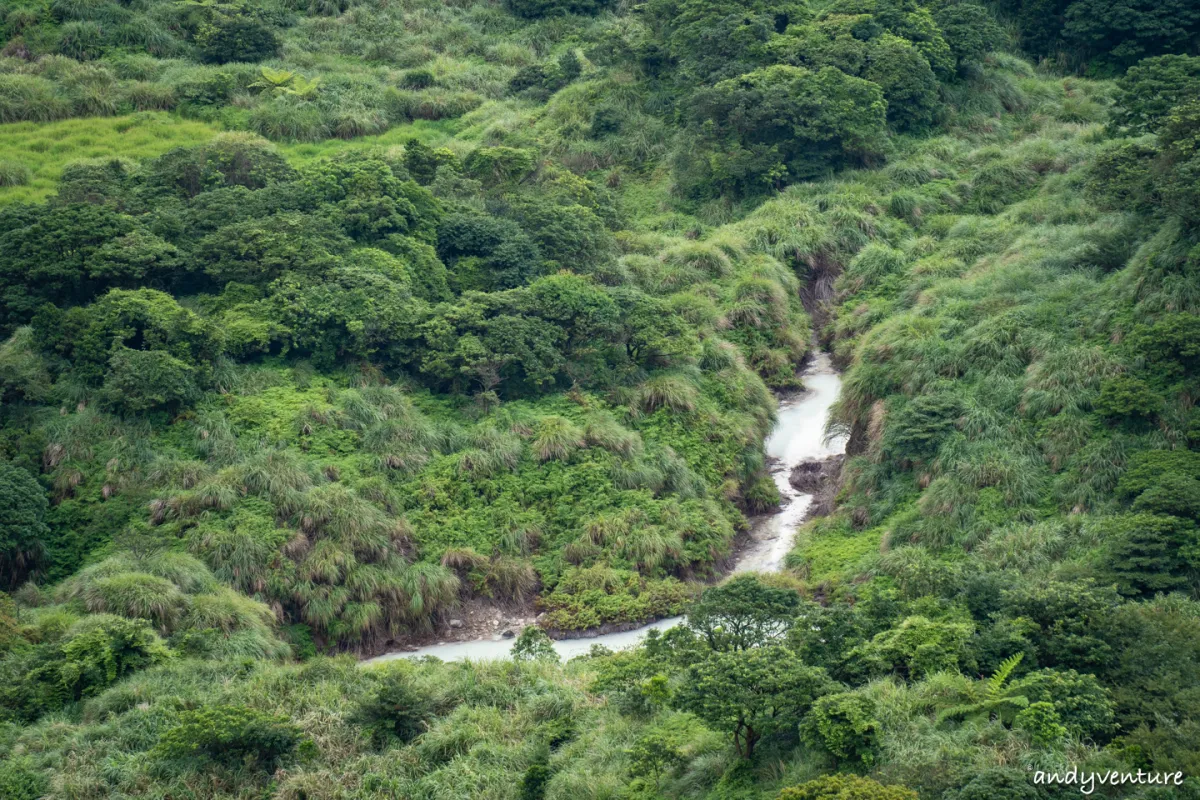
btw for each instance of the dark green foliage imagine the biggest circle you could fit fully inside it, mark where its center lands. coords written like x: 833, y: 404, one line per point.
x: 45, y: 255
x: 259, y: 251
x: 970, y: 31
x: 536, y: 9
x: 533, y: 782
x: 20, y: 781
x: 238, y: 38
x: 1081, y: 703
x: 229, y: 735
x: 916, y: 430
x: 22, y: 524
x: 846, y: 787
x: 1149, y: 553
x: 495, y: 253
x: 783, y: 124
x: 534, y: 645
x: 121, y: 321
x: 1149, y: 90
x: 140, y: 380
x: 1070, y: 622
x: 917, y: 647
x: 1127, y: 397
x: 743, y: 613
x: 825, y: 635
x: 92, y: 655
x: 907, y: 81
x: 395, y: 711
x: 1175, y: 495
x: 1110, y: 34
x: 997, y: 783
x: 749, y: 694
x: 229, y: 160
x: 845, y: 726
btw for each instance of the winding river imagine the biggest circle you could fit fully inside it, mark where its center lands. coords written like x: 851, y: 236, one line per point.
x: 798, y: 436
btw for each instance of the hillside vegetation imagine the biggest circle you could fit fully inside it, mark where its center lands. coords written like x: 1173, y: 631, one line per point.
x: 330, y: 318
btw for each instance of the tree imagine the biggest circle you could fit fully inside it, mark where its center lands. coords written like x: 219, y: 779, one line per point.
x: 752, y: 693
x: 1174, y: 495
x: 915, y: 431
x: 845, y: 726
x: 781, y: 124
x: 534, y: 645
x: 45, y: 254
x: 1148, y: 553
x: 846, y: 787
x: 487, y: 253
x: 1070, y: 621
x: 122, y: 322
x: 22, y: 528
x: 1127, y: 397
x: 909, y: 85
x: 825, y: 635
x: 915, y: 648
x: 141, y: 380
x: 231, y: 159
x: 1126, y: 31
x: 743, y: 613
x: 970, y: 30
x: 261, y: 250
x: 1041, y: 723
x: 1150, y: 89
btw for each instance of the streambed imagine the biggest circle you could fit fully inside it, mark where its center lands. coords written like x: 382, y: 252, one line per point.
x: 798, y: 436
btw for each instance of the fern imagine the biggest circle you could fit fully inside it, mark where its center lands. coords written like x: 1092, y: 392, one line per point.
x: 994, y: 703
x: 995, y: 684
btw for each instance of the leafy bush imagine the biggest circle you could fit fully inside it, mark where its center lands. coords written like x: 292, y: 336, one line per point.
x: 231, y: 735
x: 846, y: 787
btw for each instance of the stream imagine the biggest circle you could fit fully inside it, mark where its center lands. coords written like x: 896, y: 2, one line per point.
x: 798, y: 436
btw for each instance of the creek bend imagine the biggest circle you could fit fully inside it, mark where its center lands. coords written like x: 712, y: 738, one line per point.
x: 798, y: 437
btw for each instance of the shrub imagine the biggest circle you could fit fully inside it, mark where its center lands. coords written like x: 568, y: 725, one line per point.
x: 846, y: 787
x: 534, y: 645
x: 845, y: 726
x: 230, y: 735
x: 101, y: 650
x: 536, y: 9
x: 995, y: 784
x: 238, y: 39
x: 20, y: 781
x: 395, y: 711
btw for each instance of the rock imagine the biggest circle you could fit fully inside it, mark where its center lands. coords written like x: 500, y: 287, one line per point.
x: 457, y: 623
x: 508, y: 633
x: 819, y: 478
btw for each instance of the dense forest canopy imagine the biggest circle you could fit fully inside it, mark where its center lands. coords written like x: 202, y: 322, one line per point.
x: 323, y: 321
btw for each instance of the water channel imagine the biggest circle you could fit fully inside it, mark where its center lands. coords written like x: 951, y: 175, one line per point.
x: 798, y: 436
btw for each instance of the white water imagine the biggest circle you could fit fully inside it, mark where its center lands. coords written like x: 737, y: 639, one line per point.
x: 798, y: 435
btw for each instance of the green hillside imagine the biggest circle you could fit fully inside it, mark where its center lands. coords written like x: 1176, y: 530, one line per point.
x: 323, y: 322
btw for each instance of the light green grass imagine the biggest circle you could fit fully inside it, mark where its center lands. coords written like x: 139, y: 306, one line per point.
x: 46, y: 148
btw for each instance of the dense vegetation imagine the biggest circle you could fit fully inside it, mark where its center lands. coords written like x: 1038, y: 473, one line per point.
x: 389, y: 308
